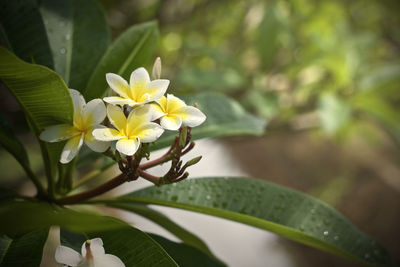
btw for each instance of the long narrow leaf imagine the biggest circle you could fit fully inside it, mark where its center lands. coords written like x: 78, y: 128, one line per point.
x: 78, y: 36
x: 184, y: 235
x: 271, y: 207
x: 186, y: 255
x: 10, y: 142
x: 130, y: 51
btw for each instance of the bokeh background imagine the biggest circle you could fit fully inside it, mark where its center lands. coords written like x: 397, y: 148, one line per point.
x: 324, y: 74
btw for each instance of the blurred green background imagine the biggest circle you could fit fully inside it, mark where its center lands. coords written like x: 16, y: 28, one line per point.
x: 325, y: 74
x: 332, y: 65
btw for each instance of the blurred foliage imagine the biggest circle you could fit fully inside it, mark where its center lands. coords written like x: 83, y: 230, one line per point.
x: 330, y: 65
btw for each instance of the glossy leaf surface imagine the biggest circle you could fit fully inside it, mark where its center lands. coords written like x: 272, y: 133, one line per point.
x: 283, y: 211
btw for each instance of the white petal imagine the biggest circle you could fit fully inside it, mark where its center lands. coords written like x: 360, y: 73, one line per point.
x: 162, y: 101
x: 92, y: 143
x: 115, y: 100
x: 156, y: 111
x: 68, y: 256
x: 108, y: 260
x: 77, y: 99
x: 149, y: 132
x: 71, y: 149
x: 156, y: 89
x: 128, y: 146
x: 191, y: 116
x: 116, y: 117
x: 58, y: 133
x: 94, y: 112
x: 138, y: 116
x: 118, y: 84
x: 96, y: 247
x: 174, y: 103
x: 171, y: 122
x: 106, y: 134
x: 139, y: 75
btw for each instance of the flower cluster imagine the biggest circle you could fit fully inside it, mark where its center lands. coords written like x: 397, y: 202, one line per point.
x: 139, y: 114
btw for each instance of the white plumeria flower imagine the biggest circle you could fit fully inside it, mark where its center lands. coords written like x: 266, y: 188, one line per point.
x: 174, y: 113
x: 140, y: 89
x: 87, y: 117
x: 131, y: 131
x: 93, y: 255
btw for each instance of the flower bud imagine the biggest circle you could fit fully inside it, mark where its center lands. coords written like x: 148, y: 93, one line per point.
x: 156, y: 73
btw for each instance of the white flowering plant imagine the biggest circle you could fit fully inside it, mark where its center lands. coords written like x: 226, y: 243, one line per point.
x: 106, y: 121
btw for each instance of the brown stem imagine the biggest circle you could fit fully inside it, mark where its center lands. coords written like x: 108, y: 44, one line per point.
x: 101, y: 189
x: 155, y: 162
x: 149, y: 177
x: 190, y: 147
x: 160, y: 160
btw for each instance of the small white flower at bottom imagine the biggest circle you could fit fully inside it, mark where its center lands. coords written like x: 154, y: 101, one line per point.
x: 93, y: 255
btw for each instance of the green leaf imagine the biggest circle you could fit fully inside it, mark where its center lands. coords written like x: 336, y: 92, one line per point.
x: 169, y: 225
x: 186, y: 255
x: 24, y: 251
x: 225, y: 117
x: 22, y: 31
x: 78, y: 36
x: 42, y: 95
x: 11, y: 143
x: 271, y: 207
x: 130, y: 51
x: 16, y: 213
x: 134, y: 247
